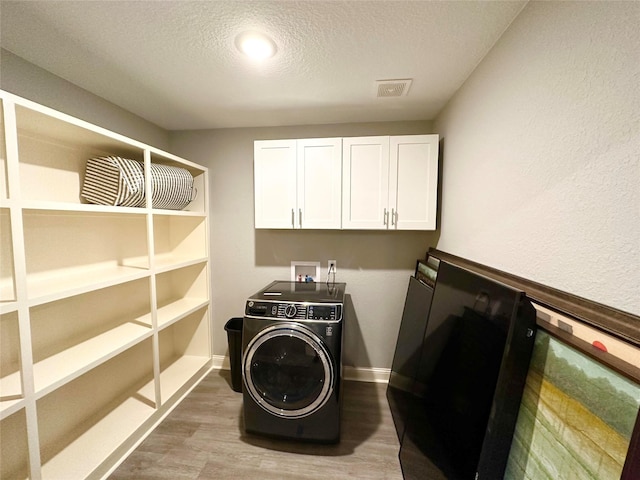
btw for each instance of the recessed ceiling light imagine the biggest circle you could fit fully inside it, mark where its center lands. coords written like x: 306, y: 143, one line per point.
x: 256, y: 45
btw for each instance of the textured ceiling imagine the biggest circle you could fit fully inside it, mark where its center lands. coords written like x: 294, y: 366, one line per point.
x: 174, y: 63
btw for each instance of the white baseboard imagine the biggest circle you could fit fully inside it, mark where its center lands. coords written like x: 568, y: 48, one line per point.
x: 221, y: 362
x: 366, y: 374
x: 358, y: 374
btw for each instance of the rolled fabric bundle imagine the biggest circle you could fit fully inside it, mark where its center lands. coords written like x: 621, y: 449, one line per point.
x: 118, y: 181
x: 114, y: 181
x: 171, y: 187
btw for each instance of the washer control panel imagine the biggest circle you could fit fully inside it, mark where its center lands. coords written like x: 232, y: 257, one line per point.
x: 294, y: 311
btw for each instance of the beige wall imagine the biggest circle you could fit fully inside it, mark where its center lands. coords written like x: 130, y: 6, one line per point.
x: 34, y: 83
x: 375, y: 265
x: 541, y: 152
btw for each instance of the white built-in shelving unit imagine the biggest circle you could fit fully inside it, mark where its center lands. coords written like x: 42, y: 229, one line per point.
x: 105, y: 316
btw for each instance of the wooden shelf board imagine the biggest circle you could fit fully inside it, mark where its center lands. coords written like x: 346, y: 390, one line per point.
x: 55, y: 285
x: 179, y: 213
x: 69, y: 364
x: 11, y: 384
x: 94, y: 208
x: 84, y: 208
x: 178, y: 309
x: 165, y: 158
x: 8, y: 306
x: 93, y: 445
x: 7, y: 288
x: 174, y: 376
x: 9, y: 407
x: 41, y: 122
x: 166, y: 262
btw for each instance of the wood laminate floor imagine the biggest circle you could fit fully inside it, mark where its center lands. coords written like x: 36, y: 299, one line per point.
x: 203, y: 439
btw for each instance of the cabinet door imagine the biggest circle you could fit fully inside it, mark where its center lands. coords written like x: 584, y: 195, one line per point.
x: 365, y: 183
x: 413, y: 182
x: 275, y: 183
x: 319, y: 183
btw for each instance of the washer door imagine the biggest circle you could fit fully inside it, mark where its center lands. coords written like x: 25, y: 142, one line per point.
x: 287, y: 370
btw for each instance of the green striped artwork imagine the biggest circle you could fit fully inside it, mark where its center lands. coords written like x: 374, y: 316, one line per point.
x: 576, y: 417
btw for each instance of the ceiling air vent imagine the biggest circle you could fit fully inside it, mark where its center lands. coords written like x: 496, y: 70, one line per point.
x: 393, y: 88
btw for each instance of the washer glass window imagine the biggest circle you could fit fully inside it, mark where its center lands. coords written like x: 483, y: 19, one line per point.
x: 288, y: 371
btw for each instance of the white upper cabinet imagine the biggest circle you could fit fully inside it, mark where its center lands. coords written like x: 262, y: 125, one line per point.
x: 274, y: 183
x: 319, y: 183
x: 390, y: 183
x: 413, y: 182
x: 298, y: 183
x: 365, y: 180
x: 357, y: 183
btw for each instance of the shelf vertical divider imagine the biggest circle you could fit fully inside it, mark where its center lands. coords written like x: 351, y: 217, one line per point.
x: 207, y: 234
x: 20, y: 284
x: 152, y: 277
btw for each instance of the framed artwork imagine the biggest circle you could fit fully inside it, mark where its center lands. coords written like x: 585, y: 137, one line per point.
x: 579, y: 418
x: 576, y: 419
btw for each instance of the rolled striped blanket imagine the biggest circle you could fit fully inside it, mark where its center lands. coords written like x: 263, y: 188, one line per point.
x: 118, y: 181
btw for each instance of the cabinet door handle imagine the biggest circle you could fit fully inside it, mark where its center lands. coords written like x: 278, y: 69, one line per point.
x: 385, y: 218
x: 293, y: 218
x: 300, y: 215
x: 393, y: 216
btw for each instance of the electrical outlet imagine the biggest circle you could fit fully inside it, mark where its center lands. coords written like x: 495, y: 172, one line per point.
x: 332, y: 267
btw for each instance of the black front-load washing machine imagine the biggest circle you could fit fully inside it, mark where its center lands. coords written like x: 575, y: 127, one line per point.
x: 291, y: 361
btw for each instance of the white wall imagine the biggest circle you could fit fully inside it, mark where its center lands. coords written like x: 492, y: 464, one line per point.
x: 375, y: 265
x: 34, y: 83
x: 541, y: 153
